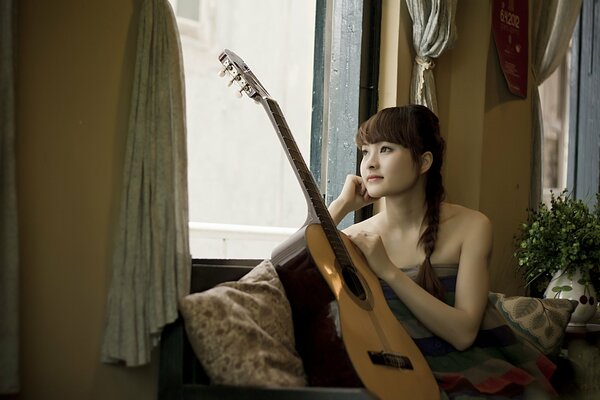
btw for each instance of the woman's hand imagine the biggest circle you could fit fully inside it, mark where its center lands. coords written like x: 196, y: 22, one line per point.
x: 354, y: 196
x: 354, y: 193
x: 371, y: 245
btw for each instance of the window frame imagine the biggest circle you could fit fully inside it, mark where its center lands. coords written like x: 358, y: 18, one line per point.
x: 343, y: 100
x: 583, y: 177
x: 332, y: 150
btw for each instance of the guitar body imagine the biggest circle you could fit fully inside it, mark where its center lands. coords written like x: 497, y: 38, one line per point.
x: 373, y: 330
x: 334, y: 359
x: 345, y: 332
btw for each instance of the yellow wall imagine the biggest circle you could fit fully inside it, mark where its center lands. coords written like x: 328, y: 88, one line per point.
x: 75, y: 62
x: 505, y: 176
x: 74, y: 77
x: 489, y: 137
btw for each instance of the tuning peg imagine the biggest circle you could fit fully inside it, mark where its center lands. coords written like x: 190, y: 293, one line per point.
x: 242, y: 90
x: 239, y: 93
x: 222, y: 72
x: 231, y: 82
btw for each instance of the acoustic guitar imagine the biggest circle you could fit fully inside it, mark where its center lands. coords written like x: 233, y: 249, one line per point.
x: 345, y: 332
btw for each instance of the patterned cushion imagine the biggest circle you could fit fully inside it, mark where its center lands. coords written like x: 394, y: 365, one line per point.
x: 540, y: 321
x: 242, y: 331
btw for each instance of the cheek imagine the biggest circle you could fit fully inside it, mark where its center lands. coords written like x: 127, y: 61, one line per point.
x: 407, y: 166
x: 363, y: 169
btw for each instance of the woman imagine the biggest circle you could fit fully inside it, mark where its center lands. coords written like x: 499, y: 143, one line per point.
x: 432, y: 256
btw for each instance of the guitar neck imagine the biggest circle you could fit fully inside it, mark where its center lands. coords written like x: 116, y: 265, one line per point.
x: 317, y: 209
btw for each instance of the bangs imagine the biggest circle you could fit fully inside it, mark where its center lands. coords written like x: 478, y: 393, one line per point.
x: 391, y: 125
x: 371, y: 132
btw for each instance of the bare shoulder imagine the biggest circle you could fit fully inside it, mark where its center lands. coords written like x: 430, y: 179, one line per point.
x: 368, y: 225
x: 465, y: 220
x: 460, y: 214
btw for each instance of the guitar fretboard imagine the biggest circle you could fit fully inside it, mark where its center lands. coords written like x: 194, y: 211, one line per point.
x: 317, y: 206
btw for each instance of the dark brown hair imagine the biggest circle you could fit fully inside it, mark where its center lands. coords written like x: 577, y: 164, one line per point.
x: 416, y: 128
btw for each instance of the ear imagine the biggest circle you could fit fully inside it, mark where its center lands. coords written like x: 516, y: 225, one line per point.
x: 426, y: 162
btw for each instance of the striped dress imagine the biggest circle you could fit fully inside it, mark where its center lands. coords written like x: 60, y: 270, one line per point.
x: 496, y: 366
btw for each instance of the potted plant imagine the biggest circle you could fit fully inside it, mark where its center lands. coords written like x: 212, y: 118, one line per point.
x: 558, y: 249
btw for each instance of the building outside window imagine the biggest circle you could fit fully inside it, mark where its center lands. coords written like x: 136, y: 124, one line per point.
x: 244, y: 198
x: 554, y: 97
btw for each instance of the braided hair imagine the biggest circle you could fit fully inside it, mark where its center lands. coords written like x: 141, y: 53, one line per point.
x: 416, y: 128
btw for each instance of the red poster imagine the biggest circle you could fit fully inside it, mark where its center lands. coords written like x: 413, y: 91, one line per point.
x: 509, y: 26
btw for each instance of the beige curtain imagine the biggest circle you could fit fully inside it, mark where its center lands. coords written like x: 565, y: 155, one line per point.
x: 9, y: 246
x: 151, y: 258
x: 434, y: 31
x: 553, y: 23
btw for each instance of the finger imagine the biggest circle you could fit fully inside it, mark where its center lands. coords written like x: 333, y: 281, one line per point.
x: 355, y: 240
x: 364, y: 234
x: 353, y: 179
x: 362, y: 190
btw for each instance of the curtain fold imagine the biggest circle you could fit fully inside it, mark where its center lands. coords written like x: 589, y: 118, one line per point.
x: 9, y: 246
x: 553, y: 24
x: 151, y: 258
x: 434, y: 31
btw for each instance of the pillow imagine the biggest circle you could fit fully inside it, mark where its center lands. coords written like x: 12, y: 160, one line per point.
x: 540, y: 321
x: 242, y: 331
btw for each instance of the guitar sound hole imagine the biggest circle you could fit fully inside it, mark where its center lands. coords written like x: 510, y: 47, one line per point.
x: 353, y: 283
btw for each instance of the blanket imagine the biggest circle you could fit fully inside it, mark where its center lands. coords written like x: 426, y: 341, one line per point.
x: 497, y: 365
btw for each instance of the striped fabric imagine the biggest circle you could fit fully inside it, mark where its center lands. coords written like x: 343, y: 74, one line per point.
x: 496, y: 366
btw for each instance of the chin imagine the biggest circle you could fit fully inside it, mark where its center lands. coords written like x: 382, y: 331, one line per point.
x: 376, y: 194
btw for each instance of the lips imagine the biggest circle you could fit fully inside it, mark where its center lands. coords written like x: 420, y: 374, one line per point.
x: 374, y: 178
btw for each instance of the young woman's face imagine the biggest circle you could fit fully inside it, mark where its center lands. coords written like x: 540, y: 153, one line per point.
x: 387, y: 169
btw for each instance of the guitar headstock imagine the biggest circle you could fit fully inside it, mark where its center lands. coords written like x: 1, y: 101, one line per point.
x: 241, y: 75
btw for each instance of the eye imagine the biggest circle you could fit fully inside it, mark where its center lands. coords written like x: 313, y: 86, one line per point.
x: 364, y: 152
x: 385, y: 149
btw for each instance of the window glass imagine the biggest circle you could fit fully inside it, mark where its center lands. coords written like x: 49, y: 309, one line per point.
x: 244, y: 197
x: 554, y: 99
x: 188, y: 9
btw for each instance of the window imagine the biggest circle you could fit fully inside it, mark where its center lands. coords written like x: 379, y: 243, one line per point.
x: 243, y: 195
x: 570, y: 112
x: 195, y: 21
x: 554, y: 98
x: 583, y: 174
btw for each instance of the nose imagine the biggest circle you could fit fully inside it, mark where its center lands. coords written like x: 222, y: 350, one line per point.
x: 370, y: 160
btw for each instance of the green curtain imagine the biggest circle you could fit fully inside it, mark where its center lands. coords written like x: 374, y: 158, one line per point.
x: 151, y: 258
x: 9, y: 245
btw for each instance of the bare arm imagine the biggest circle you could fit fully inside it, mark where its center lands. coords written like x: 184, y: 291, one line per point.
x: 457, y: 325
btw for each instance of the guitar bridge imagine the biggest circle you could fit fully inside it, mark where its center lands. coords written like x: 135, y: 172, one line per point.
x: 390, y: 360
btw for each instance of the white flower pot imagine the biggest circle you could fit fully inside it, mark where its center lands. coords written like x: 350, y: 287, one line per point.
x: 565, y: 286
